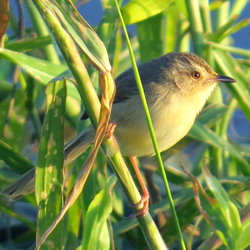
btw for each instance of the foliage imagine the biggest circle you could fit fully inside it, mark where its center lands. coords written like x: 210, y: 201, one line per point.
x: 30, y: 59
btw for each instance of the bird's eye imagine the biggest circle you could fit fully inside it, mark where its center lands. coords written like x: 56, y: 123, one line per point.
x: 196, y: 75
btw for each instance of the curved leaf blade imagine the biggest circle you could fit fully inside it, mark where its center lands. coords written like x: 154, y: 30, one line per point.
x: 96, y: 234
x: 201, y: 133
x: 137, y: 10
x: 41, y: 70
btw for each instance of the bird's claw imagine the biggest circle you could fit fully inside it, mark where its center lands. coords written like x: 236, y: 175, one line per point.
x: 141, y: 207
x: 110, y: 130
x: 144, y: 203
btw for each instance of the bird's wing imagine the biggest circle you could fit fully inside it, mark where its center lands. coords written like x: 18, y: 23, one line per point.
x: 126, y: 84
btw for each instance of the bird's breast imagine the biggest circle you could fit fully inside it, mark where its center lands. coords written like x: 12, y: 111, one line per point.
x: 171, y: 121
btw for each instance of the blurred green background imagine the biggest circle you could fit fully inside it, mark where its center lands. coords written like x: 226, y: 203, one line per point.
x: 220, y: 140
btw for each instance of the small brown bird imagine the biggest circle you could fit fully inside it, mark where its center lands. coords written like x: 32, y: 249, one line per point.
x: 176, y: 86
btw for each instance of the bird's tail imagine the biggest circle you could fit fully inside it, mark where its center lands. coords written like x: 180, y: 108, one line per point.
x: 25, y: 184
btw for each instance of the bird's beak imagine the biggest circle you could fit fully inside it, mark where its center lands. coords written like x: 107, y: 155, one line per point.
x: 225, y: 79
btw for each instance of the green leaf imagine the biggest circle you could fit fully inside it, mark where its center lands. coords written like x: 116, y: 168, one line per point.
x: 73, y: 225
x: 138, y: 10
x: 243, y: 240
x: 227, y: 212
x: 78, y: 210
x: 238, y: 7
x: 150, y: 37
x: 5, y: 89
x: 172, y: 28
x: 212, y: 113
x: 222, y: 237
x: 16, y: 119
x: 240, y: 89
x: 231, y: 49
x: 235, y: 219
x: 49, y: 166
x: 73, y: 102
x: 222, y: 31
x: 6, y: 208
x: 216, y: 215
x: 4, y: 107
x: 64, y: 75
x: 83, y: 34
x: 186, y: 214
x: 217, y: 190
x: 238, y: 26
x: 14, y: 159
x: 182, y: 6
x: 206, y: 135
x: 95, y: 231
x: 41, y: 70
x: 6, y: 69
x: 29, y: 44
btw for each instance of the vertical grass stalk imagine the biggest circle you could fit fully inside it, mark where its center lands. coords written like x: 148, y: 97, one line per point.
x: 151, y: 129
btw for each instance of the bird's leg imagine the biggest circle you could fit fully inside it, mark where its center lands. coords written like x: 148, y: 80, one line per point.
x: 144, y: 202
x: 110, y: 130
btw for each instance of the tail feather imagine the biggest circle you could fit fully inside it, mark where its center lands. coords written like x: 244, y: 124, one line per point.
x: 78, y: 145
x: 25, y: 184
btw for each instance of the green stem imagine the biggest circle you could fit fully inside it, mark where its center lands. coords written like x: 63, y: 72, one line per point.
x: 170, y: 41
x: 224, y: 128
x: 239, y: 51
x: 42, y: 30
x: 183, y: 36
x: 147, y: 225
x: 150, y: 125
x: 238, y: 7
x: 216, y: 153
x: 205, y: 14
x: 92, y: 105
x: 195, y: 25
x: 222, y: 14
x: 74, y: 61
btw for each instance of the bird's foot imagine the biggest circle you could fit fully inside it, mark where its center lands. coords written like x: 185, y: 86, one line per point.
x: 110, y: 130
x: 142, y: 206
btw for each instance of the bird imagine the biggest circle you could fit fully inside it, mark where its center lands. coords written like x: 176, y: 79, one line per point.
x: 176, y: 85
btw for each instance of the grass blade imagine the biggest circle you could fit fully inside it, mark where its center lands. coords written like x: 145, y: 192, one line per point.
x: 49, y: 176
